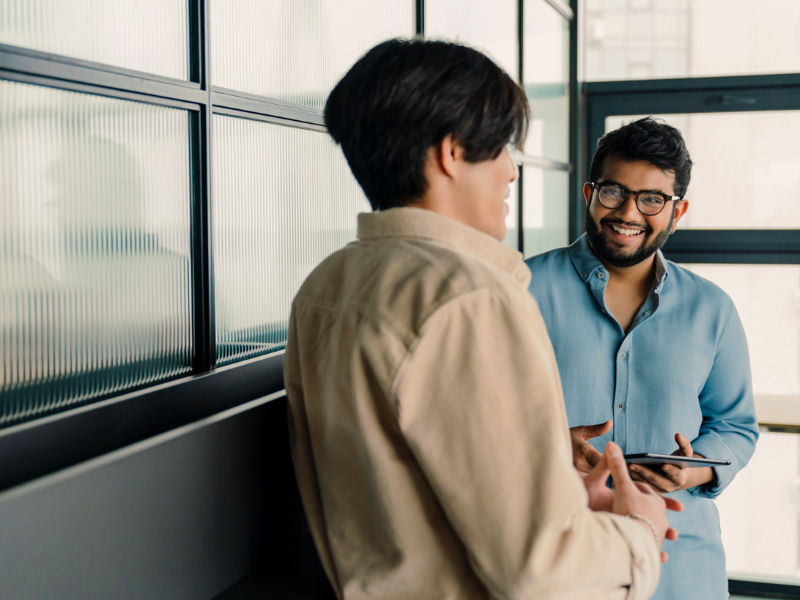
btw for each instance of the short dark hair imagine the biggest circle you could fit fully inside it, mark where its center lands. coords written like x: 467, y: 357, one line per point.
x: 405, y: 96
x: 651, y: 140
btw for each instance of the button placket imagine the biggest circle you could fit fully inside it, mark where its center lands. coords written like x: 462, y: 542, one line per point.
x: 620, y: 395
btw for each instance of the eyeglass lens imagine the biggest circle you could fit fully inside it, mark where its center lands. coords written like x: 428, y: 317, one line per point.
x: 612, y: 196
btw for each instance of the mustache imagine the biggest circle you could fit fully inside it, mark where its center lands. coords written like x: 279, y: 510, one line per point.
x: 621, y: 223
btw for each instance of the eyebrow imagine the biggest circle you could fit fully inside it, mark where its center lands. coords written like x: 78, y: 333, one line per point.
x: 611, y: 181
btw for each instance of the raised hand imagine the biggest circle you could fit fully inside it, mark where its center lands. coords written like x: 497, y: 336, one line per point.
x: 584, y: 455
x: 671, y: 478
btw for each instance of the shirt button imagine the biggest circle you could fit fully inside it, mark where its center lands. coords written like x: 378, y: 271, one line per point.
x: 647, y: 313
x: 620, y: 406
x: 622, y: 355
x: 585, y: 275
x: 603, y: 310
x: 601, y: 275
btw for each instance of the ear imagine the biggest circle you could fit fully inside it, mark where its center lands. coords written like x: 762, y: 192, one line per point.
x: 450, y: 154
x: 681, y: 206
x: 587, y: 193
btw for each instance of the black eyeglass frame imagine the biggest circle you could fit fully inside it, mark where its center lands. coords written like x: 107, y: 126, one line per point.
x: 596, y: 188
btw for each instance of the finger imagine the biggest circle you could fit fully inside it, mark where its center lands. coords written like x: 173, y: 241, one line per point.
x: 660, y: 483
x: 591, y: 431
x: 598, y: 475
x: 664, y: 557
x: 617, y: 466
x: 671, y: 535
x: 675, y: 474
x: 684, y: 444
x: 673, y: 504
x: 590, y: 453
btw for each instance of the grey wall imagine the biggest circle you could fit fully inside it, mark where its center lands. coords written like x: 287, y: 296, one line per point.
x: 183, y: 515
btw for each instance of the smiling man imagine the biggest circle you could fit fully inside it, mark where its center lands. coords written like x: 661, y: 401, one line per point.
x: 427, y: 423
x: 650, y: 355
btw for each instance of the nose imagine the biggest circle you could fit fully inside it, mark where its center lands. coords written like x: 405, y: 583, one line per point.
x: 628, y: 211
x: 514, y: 167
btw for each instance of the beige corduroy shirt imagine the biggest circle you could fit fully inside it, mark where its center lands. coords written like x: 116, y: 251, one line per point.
x: 428, y: 429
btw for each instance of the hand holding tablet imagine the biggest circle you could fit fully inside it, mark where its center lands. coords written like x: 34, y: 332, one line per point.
x: 680, y: 470
x: 671, y: 459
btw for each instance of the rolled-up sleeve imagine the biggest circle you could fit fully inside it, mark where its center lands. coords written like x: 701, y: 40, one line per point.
x: 479, y: 403
x: 730, y: 426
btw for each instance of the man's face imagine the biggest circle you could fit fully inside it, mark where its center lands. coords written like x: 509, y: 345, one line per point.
x: 623, y: 236
x: 483, y: 193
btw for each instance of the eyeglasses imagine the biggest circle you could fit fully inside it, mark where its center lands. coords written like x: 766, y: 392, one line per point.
x: 613, y: 195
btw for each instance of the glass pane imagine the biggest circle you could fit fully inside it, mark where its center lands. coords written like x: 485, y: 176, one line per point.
x: 760, y: 513
x: 773, y: 334
x: 546, y: 78
x: 491, y: 27
x: 545, y: 210
x: 297, y: 51
x: 94, y: 248
x: 284, y: 199
x: 146, y: 35
x: 654, y: 39
x: 746, y: 169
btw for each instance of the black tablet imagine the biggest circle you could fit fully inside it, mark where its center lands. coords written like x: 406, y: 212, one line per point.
x: 668, y: 459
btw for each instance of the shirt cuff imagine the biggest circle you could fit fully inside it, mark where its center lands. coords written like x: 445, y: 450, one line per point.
x: 710, y: 445
x: 645, y: 557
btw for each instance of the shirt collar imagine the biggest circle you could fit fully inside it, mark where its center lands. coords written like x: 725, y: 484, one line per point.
x: 587, y: 264
x: 420, y: 223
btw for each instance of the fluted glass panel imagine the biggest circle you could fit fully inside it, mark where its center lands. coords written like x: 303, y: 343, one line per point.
x: 491, y: 27
x: 94, y: 248
x: 146, y: 35
x: 283, y: 199
x: 296, y: 50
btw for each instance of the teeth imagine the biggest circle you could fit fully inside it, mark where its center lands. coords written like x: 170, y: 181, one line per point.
x: 626, y: 231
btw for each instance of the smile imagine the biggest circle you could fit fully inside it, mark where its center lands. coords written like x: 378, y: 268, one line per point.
x: 626, y: 232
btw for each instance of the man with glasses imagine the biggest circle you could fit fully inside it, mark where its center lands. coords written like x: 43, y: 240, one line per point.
x: 651, y: 356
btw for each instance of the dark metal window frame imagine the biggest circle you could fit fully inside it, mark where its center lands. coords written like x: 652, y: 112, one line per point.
x: 36, y: 448
x: 740, y: 246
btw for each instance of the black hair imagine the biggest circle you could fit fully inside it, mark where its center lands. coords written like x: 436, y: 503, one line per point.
x: 647, y: 139
x: 405, y: 96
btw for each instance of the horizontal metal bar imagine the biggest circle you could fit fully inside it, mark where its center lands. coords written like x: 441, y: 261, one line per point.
x: 265, y: 106
x: 539, y: 162
x: 59, y: 69
x: 268, y: 119
x: 732, y: 258
x: 563, y: 8
x: 96, y: 91
x: 763, y: 589
x: 781, y: 241
x: 46, y: 445
x: 691, y: 84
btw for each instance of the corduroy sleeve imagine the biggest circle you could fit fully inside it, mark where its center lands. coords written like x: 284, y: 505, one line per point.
x: 479, y: 402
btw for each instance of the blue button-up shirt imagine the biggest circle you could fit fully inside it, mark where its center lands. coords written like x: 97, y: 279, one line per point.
x: 682, y: 367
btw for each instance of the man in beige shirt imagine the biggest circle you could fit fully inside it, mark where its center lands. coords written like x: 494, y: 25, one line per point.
x: 427, y: 423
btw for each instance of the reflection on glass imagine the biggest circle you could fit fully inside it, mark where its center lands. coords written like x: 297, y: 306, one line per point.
x: 297, y: 51
x: 94, y: 248
x: 491, y: 27
x: 545, y: 210
x: 146, y: 35
x: 654, y: 39
x: 760, y: 513
x: 283, y: 200
x: 546, y: 79
x: 746, y: 168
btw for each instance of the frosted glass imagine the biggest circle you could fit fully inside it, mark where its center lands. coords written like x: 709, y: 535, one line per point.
x: 545, y: 210
x: 655, y: 39
x: 94, y: 248
x: 546, y: 80
x: 283, y: 199
x: 490, y: 27
x: 746, y: 168
x: 296, y: 50
x: 146, y: 35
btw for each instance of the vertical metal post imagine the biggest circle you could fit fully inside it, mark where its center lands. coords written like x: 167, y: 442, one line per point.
x: 200, y: 131
x: 419, y: 15
x: 521, y: 74
x: 578, y: 151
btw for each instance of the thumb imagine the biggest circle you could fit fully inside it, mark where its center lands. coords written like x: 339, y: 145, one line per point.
x: 592, y: 431
x: 617, y: 466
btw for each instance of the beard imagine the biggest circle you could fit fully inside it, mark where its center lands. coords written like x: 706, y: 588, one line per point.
x: 614, y: 256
